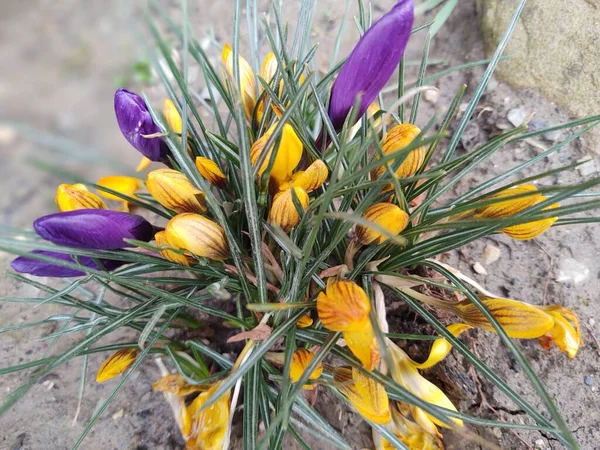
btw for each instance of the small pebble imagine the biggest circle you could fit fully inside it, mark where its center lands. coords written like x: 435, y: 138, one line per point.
x: 491, y: 254
x: 552, y: 136
x: 517, y: 116
x: 478, y: 268
x: 431, y: 95
x: 7, y: 135
x: 118, y: 415
x: 540, y: 444
x: 589, y: 167
x: 497, y: 432
x: 571, y: 270
x: 492, y: 85
x: 587, y: 380
x: 591, y: 322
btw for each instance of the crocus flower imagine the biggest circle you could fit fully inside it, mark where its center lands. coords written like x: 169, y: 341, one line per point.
x: 312, y: 178
x: 284, y: 212
x: 300, y: 361
x: 172, y: 116
x: 288, y: 156
x: 173, y: 190
x: 70, y: 197
x: 508, y: 208
x: 344, y: 306
x: 135, y: 122
x: 366, y: 395
x: 304, y: 322
x: 116, y: 364
x: 210, y: 171
x: 119, y: 183
x: 37, y: 267
x: 247, y: 81
x: 161, y: 240
x: 388, y: 216
x: 409, y: 432
x: 397, y: 139
x: 371, y: 63
x: 197, y: 235
x: 93, y: 228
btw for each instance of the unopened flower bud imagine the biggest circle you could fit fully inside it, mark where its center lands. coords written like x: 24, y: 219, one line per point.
x: 397, y: 139
x: 161, y: 240
x: 313, y: 177
x: 247, y: 81
x: 284, y: 212
x: 70, y: 197
x: 388, y: 216
x: 300, y: 361
x: 173, y: 190
x: 210, y: 171
x: 172, y: 116
x: 288, y: 154
x: 198, y: 235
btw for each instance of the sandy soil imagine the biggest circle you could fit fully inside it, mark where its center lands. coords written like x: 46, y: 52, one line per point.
x: 62, y: 61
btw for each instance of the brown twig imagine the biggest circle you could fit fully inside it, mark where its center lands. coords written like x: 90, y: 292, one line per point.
x: 594, y: 338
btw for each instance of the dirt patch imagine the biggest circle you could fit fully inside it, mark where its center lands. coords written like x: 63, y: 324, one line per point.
x: 61, y: 78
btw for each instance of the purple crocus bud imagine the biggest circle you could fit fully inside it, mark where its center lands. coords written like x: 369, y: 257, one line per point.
x: 135, y: 122
x: 93, y: 228
x: 34, y: 266
x: 371, y: 63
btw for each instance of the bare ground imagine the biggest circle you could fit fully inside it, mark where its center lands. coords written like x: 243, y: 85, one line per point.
x: 61, y: 64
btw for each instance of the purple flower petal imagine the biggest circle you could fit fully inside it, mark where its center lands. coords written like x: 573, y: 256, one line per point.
x: 93, y: 228
x: 371, y: 63
x: 135, y: 120
x: 33, y: 266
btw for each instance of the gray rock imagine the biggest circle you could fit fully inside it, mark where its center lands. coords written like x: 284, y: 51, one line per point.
x: 554, y: 49
x: 517, y: 116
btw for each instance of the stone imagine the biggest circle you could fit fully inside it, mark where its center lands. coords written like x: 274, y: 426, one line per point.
x: 554, y: 48
x: 491, y: 254
x: 478, y: 268
x: 517, y: 116
x: 572, y: 271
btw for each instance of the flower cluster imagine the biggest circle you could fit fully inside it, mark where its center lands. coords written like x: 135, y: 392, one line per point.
x: 299, y: 244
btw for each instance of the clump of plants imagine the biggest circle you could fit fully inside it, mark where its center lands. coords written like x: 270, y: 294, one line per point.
x: 291, y: 217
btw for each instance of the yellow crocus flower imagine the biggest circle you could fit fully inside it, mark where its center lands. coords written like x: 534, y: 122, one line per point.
x: 197, y: 235
x: 366, y: 395
x: 388, y: 216
x: 172, y: 116
x: 300, y: 361
x: 344, y: 306
x: 173, y: 190
x: 287, y: 157
x: 116, y: 364
x: 283, y: 210
x: 211, y: 172
x: 209, y: 426
x: 312, y: 178
x: 304, y: 322
x: 161, y: 240
x: 120, y: 183
x: 397, y: 139
x: 247, y: 81
x: 70, y: 197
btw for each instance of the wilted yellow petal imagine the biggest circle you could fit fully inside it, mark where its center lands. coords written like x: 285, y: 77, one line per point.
x: 398, y: 138
x: 441, y: 347
x: 144, y: 164
x: 186, y: 421
x: 304, y: 322
x: 565, y: 333
x: 209, y: 427
x: 161, y: 239
x: 363, y: 345
x: 530, y: 230
x: 173, y: 190
x: 70, y: 197
x: 172, y: 116
x: 366, y: 395
x: 388, y: 216
x: 405, y: 374
x: 174, y: 383
x: 125, y: 185
x: 413, y: 435
x: 283, y: 211
x: 287, y: 157
x: 247, y: 81
x: 198, y: 235
x: 116, y: 364
x: 313, y: 177
x: 519, y: 319
x: 343, y: 306
x: 300, y: 361
x: 211, y: 171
